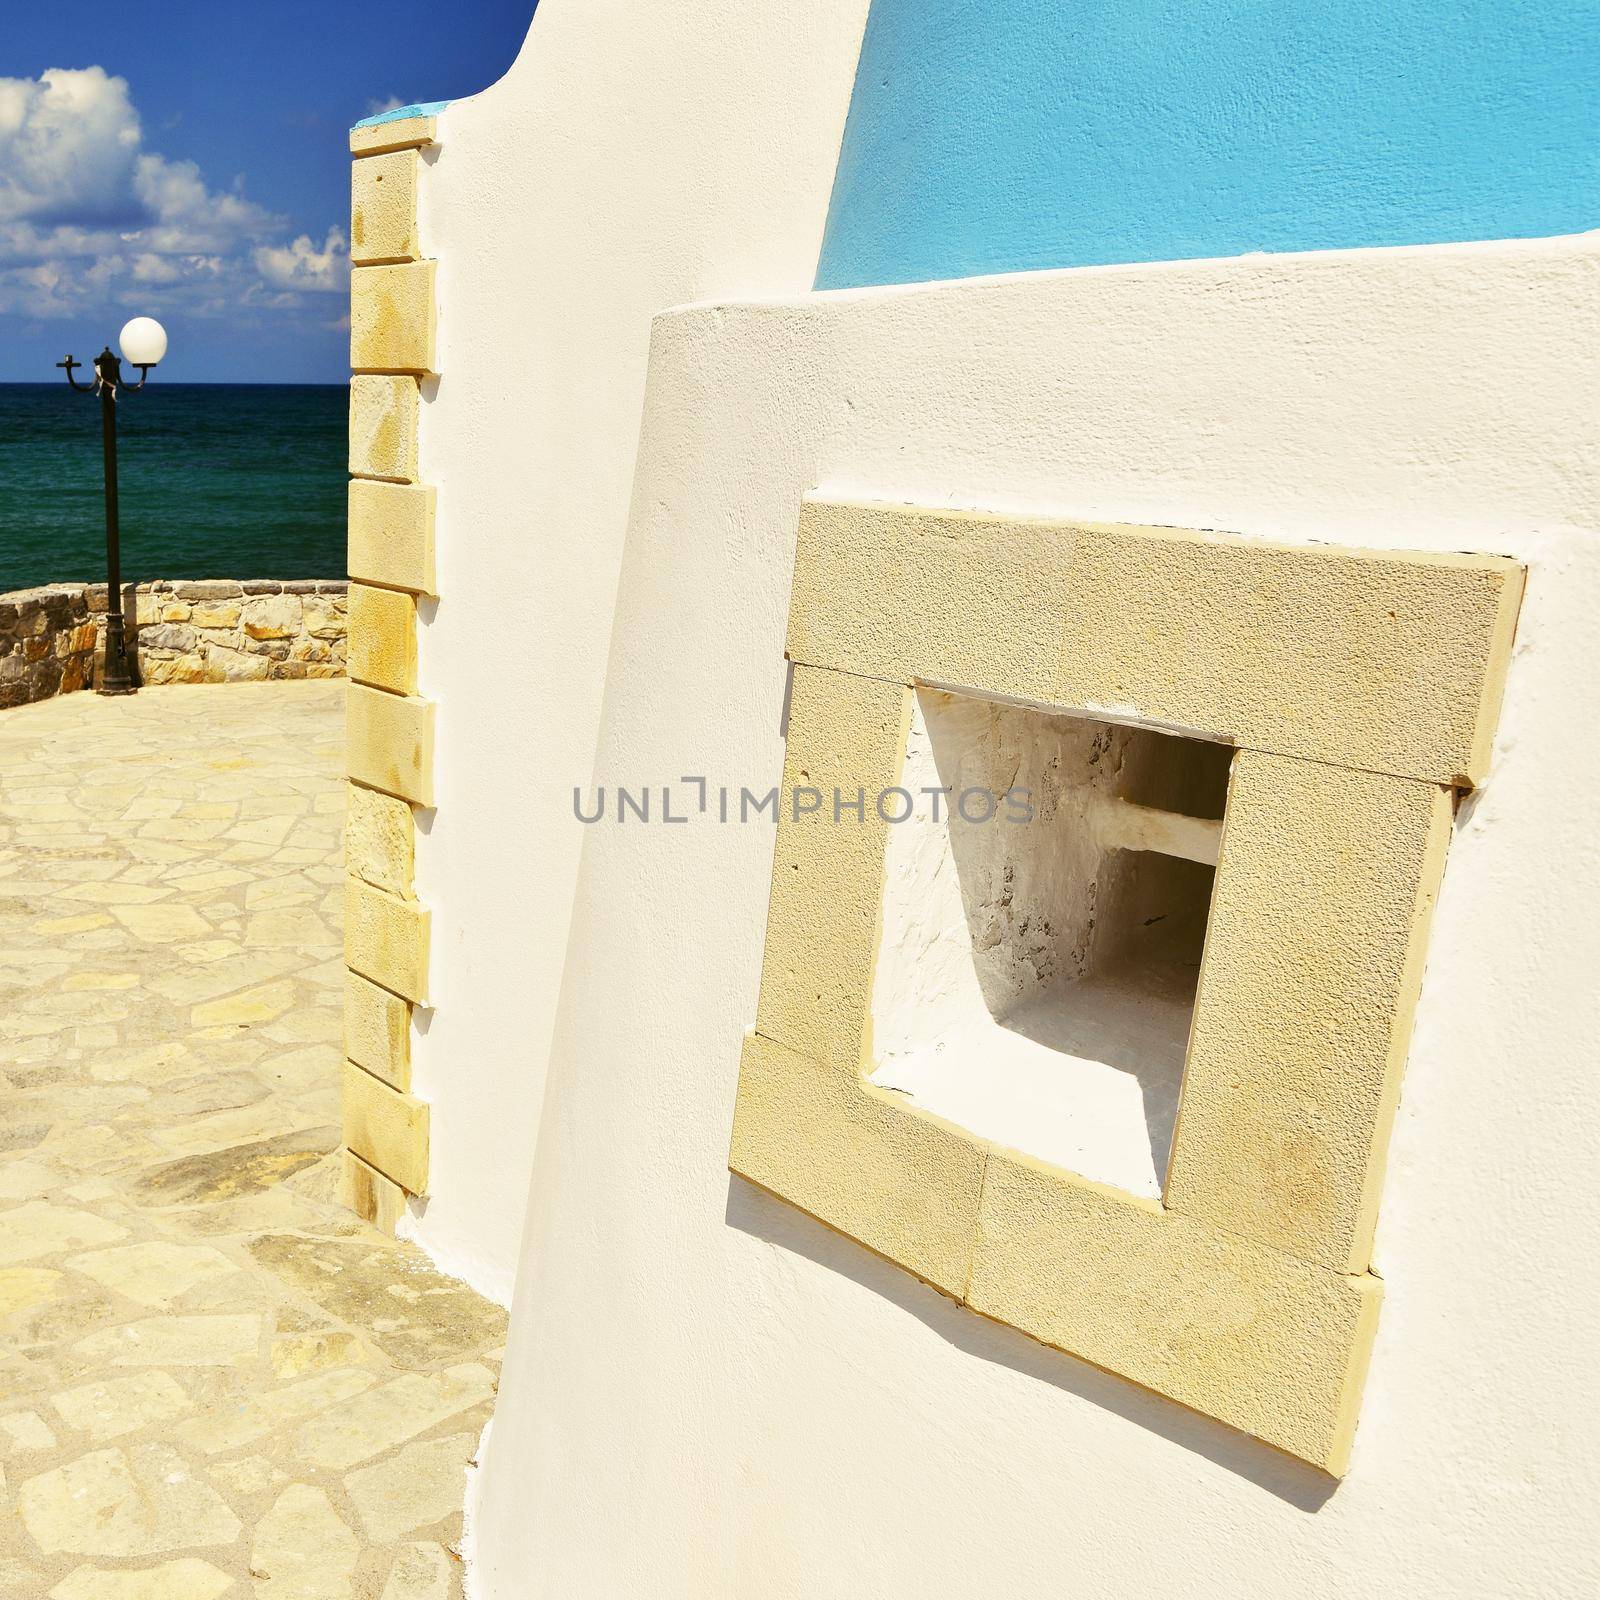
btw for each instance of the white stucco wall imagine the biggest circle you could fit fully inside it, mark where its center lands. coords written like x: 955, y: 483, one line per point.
x: 708, y: 1395
x: 631, y: 158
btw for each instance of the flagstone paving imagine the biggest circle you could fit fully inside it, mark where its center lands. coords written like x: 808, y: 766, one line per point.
x: 214, y: 1383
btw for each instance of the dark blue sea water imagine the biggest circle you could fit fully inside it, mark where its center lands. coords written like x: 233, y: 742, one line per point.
x: 217, y: 481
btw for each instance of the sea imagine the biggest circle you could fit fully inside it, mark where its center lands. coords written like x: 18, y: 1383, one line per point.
x: 216, y: 481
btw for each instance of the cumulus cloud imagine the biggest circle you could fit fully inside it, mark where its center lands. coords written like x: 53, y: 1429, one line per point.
x: 68, y: 145
x: 389, y: 102
x: 88, y: 214
x: 301, y: 265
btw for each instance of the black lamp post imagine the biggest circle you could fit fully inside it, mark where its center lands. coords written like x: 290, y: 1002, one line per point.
x: 143, y: 342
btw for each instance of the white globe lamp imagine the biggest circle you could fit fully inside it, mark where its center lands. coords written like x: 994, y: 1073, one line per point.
x: 143, y: 341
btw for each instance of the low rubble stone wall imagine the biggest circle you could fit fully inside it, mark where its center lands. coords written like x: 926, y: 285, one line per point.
x: 47, y: 643
x: 183, y: 631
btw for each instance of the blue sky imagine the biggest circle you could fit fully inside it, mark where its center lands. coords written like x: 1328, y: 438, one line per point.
x: 187, y: 159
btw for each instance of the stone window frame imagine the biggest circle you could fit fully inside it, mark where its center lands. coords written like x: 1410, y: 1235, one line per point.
x: 1360, y: 689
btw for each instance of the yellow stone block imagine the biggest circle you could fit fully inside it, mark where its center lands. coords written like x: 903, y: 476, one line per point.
x: 382, y: 642
x: 373, y: 1197
x: 386, y: 939
x: 383, y: 426
x: 383, y: 208
x: 391, y: 533
x: 1392, y: 661
x: 392, y: 318
x: 389, y: 743
x: 386, y: 1129
x: 379, y: 839
x: 225, y: 615
x: 1313, y: 961
x: 403, y: 133
x: 377, y: 1031
x: 902, y: 1182
x: 846, y: 734
x: 1265, y: 1343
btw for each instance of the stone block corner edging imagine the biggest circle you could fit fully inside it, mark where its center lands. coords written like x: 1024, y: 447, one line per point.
x: 389, y: 734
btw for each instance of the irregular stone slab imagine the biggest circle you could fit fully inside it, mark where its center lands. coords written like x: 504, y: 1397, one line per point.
x: 111, y: 1407
x: 302, y: 1550
x: 23, y: 1135
x: 248, y: 1474
x: 222, y: 1341
x: 420, y: 1572
x: 238, y: 1169
x: 242, y: 1424
x: 240, y: 1010
x: 154, y: 1273
x: 225, y: 1129
x: 188, y: 1579
x: 151, y: 1064
x: 430, y: 1319
x: 112, y: 1503
x: 217, y: 977
x: 60, y: 927
x: 25, y: 1431
x: 115, y: 894
x: 384, y: 1417
x: 27, y: 1180
x: 18, y: 1578
x: 22, y: 1288
x: 413, y: 1488
x: 163, y: 924
x: 41, y: 1229
x: 299, y: 1353
x: 79, y: 982
x: 221, y: 1091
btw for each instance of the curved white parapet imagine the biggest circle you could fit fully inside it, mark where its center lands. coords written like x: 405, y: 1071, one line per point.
x: 633, y: 157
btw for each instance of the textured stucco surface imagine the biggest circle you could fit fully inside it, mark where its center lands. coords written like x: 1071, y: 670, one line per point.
x: 1047, y: 921
x: 634, y: 157
x: 849, y: 1431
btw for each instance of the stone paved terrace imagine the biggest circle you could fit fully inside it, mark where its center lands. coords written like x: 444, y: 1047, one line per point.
x: 213, y: 1381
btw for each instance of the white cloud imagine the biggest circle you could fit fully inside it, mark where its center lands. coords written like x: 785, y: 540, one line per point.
x: 89, y: 215
x: 68, y: 144
x: 389, y: 102
x: 301, y: 265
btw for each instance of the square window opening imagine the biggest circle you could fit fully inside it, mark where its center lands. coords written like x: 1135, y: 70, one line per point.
x: 1044, y: 919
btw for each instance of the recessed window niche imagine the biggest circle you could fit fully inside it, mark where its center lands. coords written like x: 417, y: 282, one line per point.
x: 1040, y: 953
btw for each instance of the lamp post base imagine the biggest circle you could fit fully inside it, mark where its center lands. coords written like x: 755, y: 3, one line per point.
x: 115, y: 678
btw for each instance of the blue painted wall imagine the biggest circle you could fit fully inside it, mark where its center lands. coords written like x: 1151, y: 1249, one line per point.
x: 1003, y: 135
